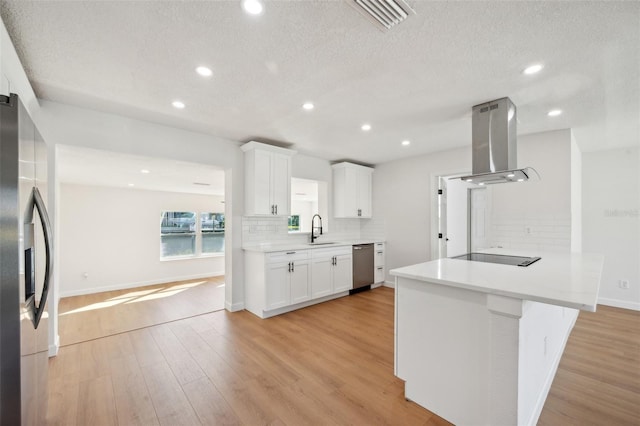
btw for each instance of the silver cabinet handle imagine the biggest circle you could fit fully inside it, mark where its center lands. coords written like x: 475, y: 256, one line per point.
x: 380, y: 268
x: 293, y: 267
x: 357, y: 248
x: 291, y: 252
x: 276, y: 209
x: 289, y: 264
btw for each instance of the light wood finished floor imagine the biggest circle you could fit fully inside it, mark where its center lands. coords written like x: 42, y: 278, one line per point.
x: 598, y: 380
x: 98, y: 315
x: 327, y: 364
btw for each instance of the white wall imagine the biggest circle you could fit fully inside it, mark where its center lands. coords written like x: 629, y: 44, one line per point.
x: 535, y: 216
x: 113, y: 235
x: 69, y: 125
x: 404, y: 190
x: 402, y: 196
x: 611, y: 221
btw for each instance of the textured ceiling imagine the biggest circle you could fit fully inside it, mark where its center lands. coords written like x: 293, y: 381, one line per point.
x: 417, y: 81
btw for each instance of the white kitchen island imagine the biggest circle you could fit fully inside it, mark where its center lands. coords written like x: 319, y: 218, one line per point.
x: 479, y: 343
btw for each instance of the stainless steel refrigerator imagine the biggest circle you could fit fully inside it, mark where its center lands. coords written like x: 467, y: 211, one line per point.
x: 26, y: 261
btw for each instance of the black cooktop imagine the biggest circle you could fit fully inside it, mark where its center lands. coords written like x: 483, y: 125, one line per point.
x: 498, y: 258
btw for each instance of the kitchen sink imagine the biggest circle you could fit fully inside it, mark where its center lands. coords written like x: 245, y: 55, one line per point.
x: 321, y: 244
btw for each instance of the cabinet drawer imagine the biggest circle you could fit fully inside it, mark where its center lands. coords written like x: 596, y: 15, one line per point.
x: 287, y: 256
x: 330, y: 252
x: 379, y: 274
x: 379, y: 258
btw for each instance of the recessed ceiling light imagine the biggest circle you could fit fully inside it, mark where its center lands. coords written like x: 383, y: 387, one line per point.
x: 204, y: 71
x: 308, y: 106
x: 178, y: 104
x: 533, y: 69
x: 469, y: 180
x: 144, y: 171
x: 406, y: 143
x: 252, y: 7
x: 520, y: 180
x: 510, y: 175
x: 554, y: 112
x: 481, y: 183
x: 131, y: 184
x: 366, y: 127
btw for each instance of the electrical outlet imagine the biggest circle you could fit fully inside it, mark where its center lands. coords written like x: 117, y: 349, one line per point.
x: 624, y: 284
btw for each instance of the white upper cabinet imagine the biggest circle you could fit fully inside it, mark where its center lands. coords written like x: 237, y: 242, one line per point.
x: 267, y: 180
x: 351, y: 190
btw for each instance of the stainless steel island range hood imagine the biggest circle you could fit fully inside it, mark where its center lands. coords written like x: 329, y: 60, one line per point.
x: 493, y: 145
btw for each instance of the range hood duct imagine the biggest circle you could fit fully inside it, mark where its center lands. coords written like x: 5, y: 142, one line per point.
x: 493, y: 145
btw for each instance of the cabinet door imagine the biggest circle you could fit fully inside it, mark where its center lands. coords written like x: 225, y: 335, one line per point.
x: 281, y: 184
x: 278, y: 286
x: 262, y: 183
x: 343, y: 273
x: 344, y: 193
x: 321, y: 277
x: 300, y: 286
x: 363, y: 186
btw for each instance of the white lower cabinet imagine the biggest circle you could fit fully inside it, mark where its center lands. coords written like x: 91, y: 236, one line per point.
x: 331, y: 271
x: 282, y: 281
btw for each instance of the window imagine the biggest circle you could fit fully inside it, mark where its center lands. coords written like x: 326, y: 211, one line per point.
x: 308, y: 197
x: 212, y: 229
x: 187, y: 234
x: 294, y: 223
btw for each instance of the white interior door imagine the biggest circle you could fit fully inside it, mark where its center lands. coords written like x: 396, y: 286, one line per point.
x: 478, y: 210
x: 457, y: 219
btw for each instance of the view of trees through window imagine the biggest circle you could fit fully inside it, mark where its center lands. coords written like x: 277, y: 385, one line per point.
x: 191, y: 234
x: 294, y: 223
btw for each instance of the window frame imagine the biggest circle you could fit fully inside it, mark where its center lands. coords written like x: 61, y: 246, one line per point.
x: 197, y: 233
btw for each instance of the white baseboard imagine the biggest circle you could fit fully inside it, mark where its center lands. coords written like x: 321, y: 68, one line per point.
x: 542, y: 397
x: 235, y: 307
x: 625, y: 304
x: 123, y: 286
x: 54, y: 347
x: 390, y: 284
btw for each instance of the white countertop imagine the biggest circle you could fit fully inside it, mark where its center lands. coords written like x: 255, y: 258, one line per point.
x: 273, y: 247
x: 563, y: 279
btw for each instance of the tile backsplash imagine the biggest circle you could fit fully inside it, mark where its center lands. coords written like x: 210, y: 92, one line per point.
x: 537, y: 234
x: 274, y: 230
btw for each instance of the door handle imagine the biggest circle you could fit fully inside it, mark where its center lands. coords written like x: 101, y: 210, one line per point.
x: 36, y: 202
x: 293, y: 267
x: 289, y: 265
x: 276, y: 209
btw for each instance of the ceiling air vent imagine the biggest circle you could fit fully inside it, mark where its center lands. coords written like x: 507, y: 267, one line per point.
x: 384, y: 13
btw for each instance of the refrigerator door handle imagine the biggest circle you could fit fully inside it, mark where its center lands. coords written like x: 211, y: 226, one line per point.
x: 36, y: 202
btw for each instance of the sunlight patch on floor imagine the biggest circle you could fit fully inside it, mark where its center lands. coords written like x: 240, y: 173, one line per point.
x: 93, y: 306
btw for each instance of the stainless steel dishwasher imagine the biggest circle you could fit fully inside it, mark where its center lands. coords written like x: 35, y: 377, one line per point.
x: 363, y: 269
